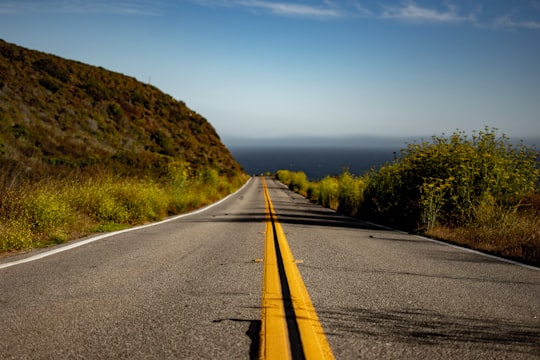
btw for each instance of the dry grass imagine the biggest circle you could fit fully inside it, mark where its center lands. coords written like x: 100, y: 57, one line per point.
x: 513, y: 234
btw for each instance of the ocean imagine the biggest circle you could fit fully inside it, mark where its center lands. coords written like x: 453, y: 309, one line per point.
x: 319, y: 157
x: 315, y: 162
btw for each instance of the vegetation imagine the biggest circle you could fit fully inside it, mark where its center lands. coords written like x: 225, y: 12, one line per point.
x: 478, y: 191
x: 84, y: 149
x: 58, y: 115
x: 46, y: 212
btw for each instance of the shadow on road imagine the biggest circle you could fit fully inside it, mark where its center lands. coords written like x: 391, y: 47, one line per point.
x: 295, y: 210
x: 306, y: 214
x: 422, y: 327
x: 254, y: 334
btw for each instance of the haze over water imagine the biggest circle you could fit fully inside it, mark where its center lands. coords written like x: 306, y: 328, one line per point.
x: 315, y: 162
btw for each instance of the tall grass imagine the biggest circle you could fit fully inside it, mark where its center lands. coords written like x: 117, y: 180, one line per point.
x: 57, y: 210
x: 481, y: 191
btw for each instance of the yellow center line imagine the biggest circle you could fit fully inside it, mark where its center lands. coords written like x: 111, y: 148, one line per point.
x: 288, y: 331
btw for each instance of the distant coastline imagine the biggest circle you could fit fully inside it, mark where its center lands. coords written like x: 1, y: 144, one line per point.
x: 323, y: 142
x: 319, y: 157
x: 314, y: 161
x: 352, y: 141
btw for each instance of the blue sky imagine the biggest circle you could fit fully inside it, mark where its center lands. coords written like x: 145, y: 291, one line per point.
x: 264, y: 68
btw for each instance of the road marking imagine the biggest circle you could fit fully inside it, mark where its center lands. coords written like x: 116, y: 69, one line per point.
x: 477, y: 252
x: 290, y: 326
x: 460, y: 247
x: 107, y: 235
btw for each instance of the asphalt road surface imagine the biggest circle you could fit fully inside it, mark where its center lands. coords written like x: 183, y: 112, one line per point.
x: 191, y: 288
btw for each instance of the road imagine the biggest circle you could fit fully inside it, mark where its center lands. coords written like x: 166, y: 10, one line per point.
x: 192, y: 288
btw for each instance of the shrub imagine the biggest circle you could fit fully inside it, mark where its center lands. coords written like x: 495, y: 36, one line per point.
x: 208, y: 176
x: 46, y: 209
x: 141, y: 201
x: 329, y: 192
x: 313, y: 191
x: 15, y: 235
x: 444, y: 180
x: 124, y: 201
x: 284, y: 176
x: 49, y: 85
x: 53, y: 68
x: 98, y: 201
x: 350, y: 193
x: 386, y: 197
x: 115, y: 111
x: 296, y: 181
x: 432, y: 200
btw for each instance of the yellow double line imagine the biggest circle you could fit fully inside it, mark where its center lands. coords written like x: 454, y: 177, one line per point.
x: 290, y: 326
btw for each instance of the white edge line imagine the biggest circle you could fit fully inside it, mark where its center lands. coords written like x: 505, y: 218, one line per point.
x: 530, y: 267
x: 456, y: 246
x: 114, y: 233
x: 462, y: 248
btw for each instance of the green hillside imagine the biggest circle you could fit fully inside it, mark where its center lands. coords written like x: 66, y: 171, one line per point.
x: 83, y: 149
x: 57, y: 114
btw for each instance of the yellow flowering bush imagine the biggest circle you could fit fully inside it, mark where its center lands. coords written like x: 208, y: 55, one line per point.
x: 450, y: 176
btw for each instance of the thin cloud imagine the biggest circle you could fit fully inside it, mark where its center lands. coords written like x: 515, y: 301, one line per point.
x: 126, y: 7
x: 412, y: 12
x: 12, y: 7
x: 324, y: 10
x: 507, y: 22
x: 293, y: 9
x: 361, y: 10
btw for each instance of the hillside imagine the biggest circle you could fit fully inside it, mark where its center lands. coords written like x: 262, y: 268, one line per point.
x: 57, y: 115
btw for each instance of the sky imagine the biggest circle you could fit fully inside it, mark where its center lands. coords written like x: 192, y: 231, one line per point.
x: 293, y: 68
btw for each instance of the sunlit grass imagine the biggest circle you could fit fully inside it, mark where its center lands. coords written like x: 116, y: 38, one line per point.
x: 513, y: 234
x: 56, y: 211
